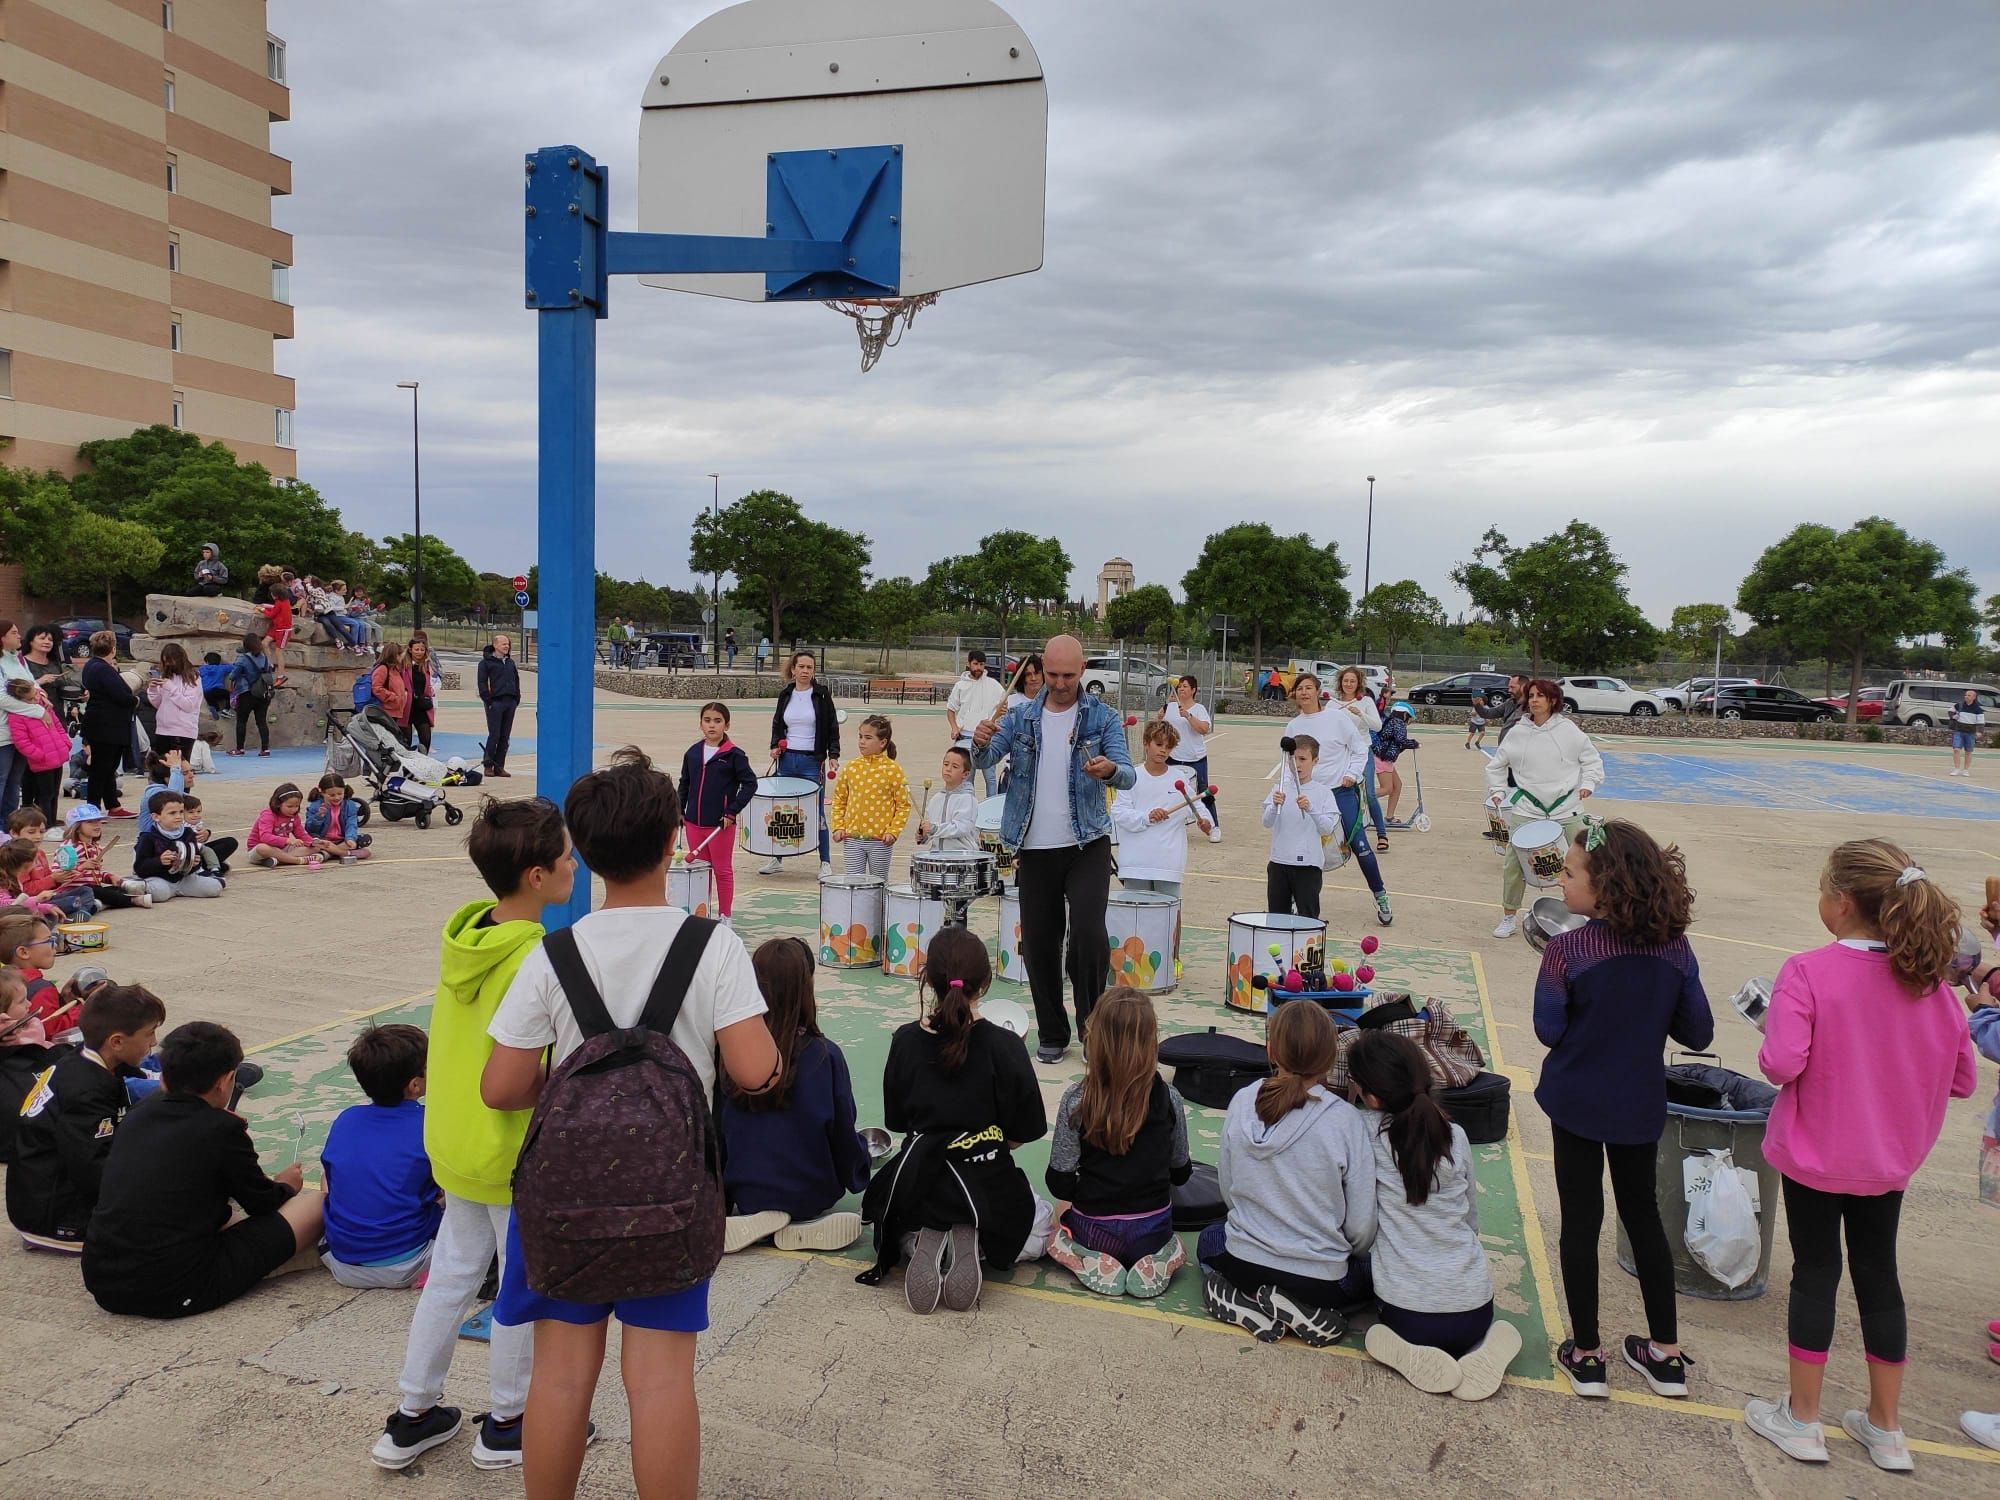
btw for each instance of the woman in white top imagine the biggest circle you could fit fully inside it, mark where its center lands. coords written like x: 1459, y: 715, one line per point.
x: 1554, y: 768
x: 1024, y: 691
x: 1350, y: 691
x: 1193, y: 724
x: 1152, y: 818
x: 1343, y: 756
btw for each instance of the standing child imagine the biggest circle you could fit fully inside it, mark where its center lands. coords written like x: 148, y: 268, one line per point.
x: 964, y: 1095
x: 1609, y: 996
x: 1152, y: 817
x: 213, y: 674
x: 274, y: 602
x: 382, y: 1208
x: 174, y: 690
x: 168, y: 855
x: 951, y: 816
x: 1388, y: 746
x: 1434, y: 1322
x: 1298, y: 1173
x: 523, y: 855
x: 871, y: 801
x: 1866, y: 1045
x: 1475, y: 726
x: 252, y: 678
x: 1343, y: 763
x: 1119, y: 1151
x: 717, y: 783
x: 793, y: 1152
x: 278, y: 837
x: 333, y: 820
x: 1300, y: 813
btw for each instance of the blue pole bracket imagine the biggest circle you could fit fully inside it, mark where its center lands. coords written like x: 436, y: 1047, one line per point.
x: 566, y: 203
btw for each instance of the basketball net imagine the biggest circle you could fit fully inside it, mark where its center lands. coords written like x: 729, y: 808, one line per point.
x: 880, y: 321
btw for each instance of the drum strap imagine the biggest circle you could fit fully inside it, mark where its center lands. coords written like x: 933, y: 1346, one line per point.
x: 1540, y: 806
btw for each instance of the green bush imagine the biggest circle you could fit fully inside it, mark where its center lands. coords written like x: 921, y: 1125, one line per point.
x: 1872, y: 734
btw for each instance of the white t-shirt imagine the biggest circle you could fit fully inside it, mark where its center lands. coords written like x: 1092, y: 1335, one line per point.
x: 1343, y: 744
x: 1149, y: 850
x: 623, y: 950
x: 973, y: 699
x: 801, y: 725
x: 1192, y: 746
x: 708, y: 752
x: 1052, y: 827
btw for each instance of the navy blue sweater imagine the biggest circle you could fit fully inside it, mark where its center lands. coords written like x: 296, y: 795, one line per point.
x: 1605, y: 1009
x: 804, y: 1158
x: 721, y: 785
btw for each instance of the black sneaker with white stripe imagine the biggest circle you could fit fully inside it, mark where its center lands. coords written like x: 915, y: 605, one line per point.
x: 1228, y: 1303
x: 1667, y: 1375
x: 1587, y: 1376
x: 1314, y: 1326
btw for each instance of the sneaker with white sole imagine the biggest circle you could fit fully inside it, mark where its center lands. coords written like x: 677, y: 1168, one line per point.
x: 771, y: 866
x: 827, y: 1232
x: 405, y: 1438
x: 1227, y: 1303
x: 498, y: 1444
x: 825, y: 870
x: 1887, y: 1447
x: 740, y: 1231
x: 1981, y: 1426
x: 1313, y: 1326
x: 1481, y: 1370
x: 1099, y: 1273
x: 1150, y: 1275
x: 1215, y: 833
x: 1805, y: 1441
x: 1382, y: 913
x: 923, y: 1276
x: 1665, y: 1373
x: 1426, y: 1367
x: 1504, y: 928
x: 1585, y: 1372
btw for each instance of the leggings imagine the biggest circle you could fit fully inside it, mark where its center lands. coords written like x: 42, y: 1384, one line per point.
x: 103, y: 780
x: 860, y: 856
x: 1348, y: 799
x: 1580, y: 1195
x: 720, y: 852
x: 1813, y: 1221
x: 248, y: 706
x: 1374, y: 802
x: 1457, y: 1333
x: 39, y: 789
x: 1354, y: 1290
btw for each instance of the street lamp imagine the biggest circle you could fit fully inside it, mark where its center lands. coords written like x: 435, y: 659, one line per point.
x: 417, y: 498
x: 1367, y: 559
x: 715, y: 589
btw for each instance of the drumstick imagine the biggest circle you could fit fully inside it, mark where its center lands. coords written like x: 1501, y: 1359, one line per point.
x: 704, y: 843
x: 924, y: 810
x: 1181, y: 787
x: 1013, y: 685
x: 772, y: 769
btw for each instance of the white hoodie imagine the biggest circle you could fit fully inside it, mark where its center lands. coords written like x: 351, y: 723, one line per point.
x: 1296, y: 832
x: 1551, y: 761
x: 954, y: 818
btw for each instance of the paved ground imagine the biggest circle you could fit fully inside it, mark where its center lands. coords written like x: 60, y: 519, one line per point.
x: 813, y: 1386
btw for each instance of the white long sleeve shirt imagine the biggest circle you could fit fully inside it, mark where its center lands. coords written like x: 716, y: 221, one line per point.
x: 954, y: 818
x: 1149, y: 850
x: 1296, y: 832
x: 1343, y: 744
x: 1551, y: 762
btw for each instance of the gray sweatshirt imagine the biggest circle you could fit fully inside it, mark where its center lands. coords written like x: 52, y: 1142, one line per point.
x: 1301, y: 1193
x: 1428, y: 1257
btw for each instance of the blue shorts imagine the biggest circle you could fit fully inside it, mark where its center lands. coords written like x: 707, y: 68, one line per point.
x: 677, y: 1312
x: 1964, y: 739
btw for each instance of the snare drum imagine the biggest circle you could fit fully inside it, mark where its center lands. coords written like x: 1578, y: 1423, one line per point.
x: 1252, y: 936
x: 783, y: 819
x: 850, y: 921
x: 1145, y: 930
x: 82, y: 937
x: 953, y: 874
x: 908, y: 920
x: 1010, y: 965
x: 1541, y: 848
x: 691, y: 887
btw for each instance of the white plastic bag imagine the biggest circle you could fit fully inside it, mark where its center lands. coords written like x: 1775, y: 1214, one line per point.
x: 1721, y: 1221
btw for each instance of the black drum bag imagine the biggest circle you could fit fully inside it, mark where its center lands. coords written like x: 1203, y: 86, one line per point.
x: 1480, y: 1108
x: 1211, y: 1066
x: 1198, y: 1201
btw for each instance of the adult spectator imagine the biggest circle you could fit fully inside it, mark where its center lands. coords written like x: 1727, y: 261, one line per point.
x: 424, y: 682
x: 13, y: 764
x: 1517, y: 704
x: 729, y: 647
x: 975, y: 697
x: 618, y: 638
x: 1968, y: 717
x: 41, y: 655
x: 1542, y: 772
x: 1066, y: 746
x: 390, y: 683
x: 805, y: 736
x: 211, y: 576
x: 107, y: 723
x: 500, y: 691
x: 1194, y: 724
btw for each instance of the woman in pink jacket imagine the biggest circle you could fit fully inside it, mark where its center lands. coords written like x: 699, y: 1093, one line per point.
x: 175, y: 693
x: 1866, y: 1044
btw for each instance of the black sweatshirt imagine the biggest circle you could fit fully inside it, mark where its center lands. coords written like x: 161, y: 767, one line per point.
x: 146, y: 861
x: 1142, y: 1180
x: 68, y: 1122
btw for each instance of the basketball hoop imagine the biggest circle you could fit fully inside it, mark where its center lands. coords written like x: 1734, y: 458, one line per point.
x: 880, y: 321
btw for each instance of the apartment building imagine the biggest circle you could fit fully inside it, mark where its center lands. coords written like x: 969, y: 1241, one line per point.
x: 141, y: 279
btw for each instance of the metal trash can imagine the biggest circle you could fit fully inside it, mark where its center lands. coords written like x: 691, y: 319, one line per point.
x: 1691, y: 1130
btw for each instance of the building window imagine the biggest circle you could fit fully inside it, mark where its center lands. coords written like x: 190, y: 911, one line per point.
x: 6, y: 374
x: 174, y: 335
x: 173, y: 252
x: 180, y: 410
x: 281, y: 283
x: 170, y: 93
x: 284, y: 428
x: 167, y: 22
x: 274, y: 59
x: 173, y: 174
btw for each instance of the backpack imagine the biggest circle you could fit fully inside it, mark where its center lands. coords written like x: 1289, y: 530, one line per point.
x: 618, y: 1190
x: 256, y: 674
x: 364, y: 689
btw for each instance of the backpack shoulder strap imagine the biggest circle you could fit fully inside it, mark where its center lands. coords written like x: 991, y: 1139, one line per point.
x: 670, y: 987
x: 585, y: 1003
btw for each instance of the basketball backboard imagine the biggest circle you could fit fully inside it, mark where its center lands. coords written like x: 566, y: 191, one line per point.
x: 940, y: 101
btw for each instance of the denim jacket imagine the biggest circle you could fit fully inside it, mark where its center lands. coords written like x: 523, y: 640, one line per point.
x: 1099, y: 730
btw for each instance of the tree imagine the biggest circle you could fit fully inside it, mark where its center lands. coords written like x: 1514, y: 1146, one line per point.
x: 1396, y: 611
x: 1010, y: 571
x: 37, y: 511
x: 449, y: 581
x: 98, y: 551
x: 1141, y: 614
x: 1844, y: 594
x: 783, y: 560
x: 1289, y: 586
x: 894, y: 607
x: 1690, y: 634
x: 1565, y: 595
x: 1991, y: 618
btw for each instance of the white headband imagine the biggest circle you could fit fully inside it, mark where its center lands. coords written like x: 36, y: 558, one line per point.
x: 1910, y: 876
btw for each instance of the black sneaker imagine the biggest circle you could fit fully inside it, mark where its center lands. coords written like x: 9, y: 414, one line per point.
x: 498, y: 1445
x: 1050, y: 1054
x: 1228, y: 1303
x: 1585, y: 1371
x: 1667, y: 1377
x: 1314, y: 1326
x: 405, y: 1439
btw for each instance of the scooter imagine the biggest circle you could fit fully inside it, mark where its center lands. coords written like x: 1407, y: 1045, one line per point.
x: 1418, y: 820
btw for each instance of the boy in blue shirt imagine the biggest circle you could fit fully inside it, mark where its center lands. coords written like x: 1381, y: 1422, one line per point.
x: 214, y: 675
x: 382, y: 1208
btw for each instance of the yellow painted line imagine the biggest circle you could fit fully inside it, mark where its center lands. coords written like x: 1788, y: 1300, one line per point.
x: 347, y: 1018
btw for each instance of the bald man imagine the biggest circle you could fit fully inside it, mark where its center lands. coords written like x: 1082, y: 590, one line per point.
x: 1057, y: 821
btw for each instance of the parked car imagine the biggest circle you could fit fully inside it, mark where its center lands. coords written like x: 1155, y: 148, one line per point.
x: 1464, y: 688
x: 1608, y: 695
x: 1760, y: 701
x: 83, y: 628
x: 1681, y: 694
x: 1921, y: 705
x: 1100, y: 676
x: 672, y: 648
x: 1871, y: 703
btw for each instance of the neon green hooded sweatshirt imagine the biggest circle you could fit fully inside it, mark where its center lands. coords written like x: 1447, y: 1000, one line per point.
x: 472, y: 1148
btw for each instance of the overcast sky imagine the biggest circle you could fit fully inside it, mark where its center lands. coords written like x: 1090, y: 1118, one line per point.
x: 1693, y: 272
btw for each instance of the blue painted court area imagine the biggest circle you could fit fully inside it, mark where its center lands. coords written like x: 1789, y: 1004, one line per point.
x: 1792, y: 785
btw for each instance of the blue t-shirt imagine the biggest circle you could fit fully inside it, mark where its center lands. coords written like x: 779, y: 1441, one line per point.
x: 175, y: 782
x: 381, y: 1204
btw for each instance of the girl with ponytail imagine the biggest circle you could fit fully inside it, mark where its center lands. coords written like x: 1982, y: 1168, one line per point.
x: 1866, y: 1044
x: 1436, y: 1327
x: 1298, y: 1172
x: 963, y: 1094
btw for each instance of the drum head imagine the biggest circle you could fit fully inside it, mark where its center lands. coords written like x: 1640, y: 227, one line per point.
x: 987, y: 820
x: 1276, y: 921
x: 1008, y: 1015
x: 1534, y: 835
x: 786, y: 786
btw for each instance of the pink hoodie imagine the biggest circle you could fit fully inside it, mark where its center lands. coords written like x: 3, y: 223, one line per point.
x: 1863, y: 1069
x: 274, y: 830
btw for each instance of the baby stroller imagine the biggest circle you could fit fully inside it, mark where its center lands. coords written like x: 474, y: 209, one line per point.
x: 407, y: 783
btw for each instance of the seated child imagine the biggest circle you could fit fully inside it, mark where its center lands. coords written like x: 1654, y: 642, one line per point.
x: 1298, y: 1172
x: 1119, y: 1151
x: 213, y: 674
x: 793, y: 1152
x: 17, y: 862
x: 382, y: 1208
x: 28, y: 827
x: 1298, y: 819
x: 1153, y: 817
x: 168, y: 856
x: 278, y: 837
x: 161, y: 1244
x: 333, y: 822
x: 28, y: 946
x: 951, y: 816
x: 1435, y: 1324
x: 163, y: 773
x: 964, y: 1094
x: 215, y: 852
x: 80, y: 861
x: 71, y: 1118
x: 24, y: 1053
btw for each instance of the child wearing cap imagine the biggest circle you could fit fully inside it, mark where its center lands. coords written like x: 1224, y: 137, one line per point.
x: 80, y: 861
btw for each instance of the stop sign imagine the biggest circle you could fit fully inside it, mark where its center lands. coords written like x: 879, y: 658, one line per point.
x: 520, y: 580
